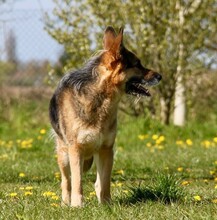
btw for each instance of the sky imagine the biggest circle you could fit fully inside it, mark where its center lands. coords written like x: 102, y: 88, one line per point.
x: 25, y: 19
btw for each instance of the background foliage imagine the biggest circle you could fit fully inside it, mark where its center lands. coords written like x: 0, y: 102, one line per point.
x: 171, y: 37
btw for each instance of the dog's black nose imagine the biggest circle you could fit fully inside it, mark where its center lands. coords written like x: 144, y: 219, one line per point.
x: 158, y: 76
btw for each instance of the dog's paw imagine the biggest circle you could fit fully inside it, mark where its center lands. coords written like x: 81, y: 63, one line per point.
x: 76, y: 201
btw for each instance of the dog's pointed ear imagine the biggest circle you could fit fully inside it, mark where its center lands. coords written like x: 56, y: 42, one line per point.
x: 120, y: 34
x: 109, y: 38
x: 119, y: 38
x: 118, y: 43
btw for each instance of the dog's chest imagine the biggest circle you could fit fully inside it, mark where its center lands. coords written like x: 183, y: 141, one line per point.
x: 95, y: 138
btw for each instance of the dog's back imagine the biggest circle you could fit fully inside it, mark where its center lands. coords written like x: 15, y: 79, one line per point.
x: 76, y: 83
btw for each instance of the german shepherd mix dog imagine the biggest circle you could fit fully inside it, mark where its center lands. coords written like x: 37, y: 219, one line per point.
x: 83, y: 114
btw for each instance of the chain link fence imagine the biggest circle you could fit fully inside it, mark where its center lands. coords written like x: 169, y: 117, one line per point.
x: 27, y: 52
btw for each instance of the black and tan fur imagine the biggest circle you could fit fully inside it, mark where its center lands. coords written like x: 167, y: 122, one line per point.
x: 83, y: 114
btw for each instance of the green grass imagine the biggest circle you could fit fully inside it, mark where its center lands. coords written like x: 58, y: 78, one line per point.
x: 159, y: 172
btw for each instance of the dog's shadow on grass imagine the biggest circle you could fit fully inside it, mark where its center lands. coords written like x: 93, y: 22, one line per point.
x: 142, y: 195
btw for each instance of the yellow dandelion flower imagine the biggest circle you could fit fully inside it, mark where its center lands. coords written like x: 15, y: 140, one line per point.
x: 57, y: 175
x: 185, y: 183
x: 215, y: 162
x: 215, y: 139
x: 13, y: 194
x: 212, y: 172
x: 48, y: 193
x: 39, y: 137
x: 205, y: 181
x: 22, y: 174
x: 197, y: 198
x: 215, y: 186
x: 28, y: 193
x: 35, y: 178
x: 23, y: 143
x: 55, y: 197
x: 2, y: 143
x: 29, y: 188
x: 154, y: 136
x: 179, y: 142
x: 92, y: 193
x: 54, y: 204
x: 158, y: 141
x: 18, y: 141
x: 4, y: 156
x: 142, y: 137
x: 206, y: 143
x: 189, y: 142
x: 125, y: 191
x: 214, y: 201
x: 42, y: 131
x: 121, y: 172
x: 119, y: 184
x: 148, y: 144
x: 21, y: 188
x: 10, y: 144
x: 30, y: 141
x: 215, y: 179
x: 180, y: 169
x: 161, y: 138
x: 26, y: 143
x: 160, y: 147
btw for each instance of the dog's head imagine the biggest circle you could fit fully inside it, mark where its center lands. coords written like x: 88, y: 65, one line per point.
x: 124, y: 67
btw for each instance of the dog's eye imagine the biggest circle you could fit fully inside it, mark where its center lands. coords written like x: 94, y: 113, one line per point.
x: 136, y: 63
x: 133, y: 64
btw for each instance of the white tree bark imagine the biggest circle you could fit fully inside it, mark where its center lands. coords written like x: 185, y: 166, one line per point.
x: 179, y: 102
x: 179, y: 108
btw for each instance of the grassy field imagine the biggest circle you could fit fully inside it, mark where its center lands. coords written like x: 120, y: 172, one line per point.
x: 159, y: 172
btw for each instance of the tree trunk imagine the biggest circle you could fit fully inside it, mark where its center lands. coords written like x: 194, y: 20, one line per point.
x: 165, y: 111
x: 179, y: 108
x: 179, y: 102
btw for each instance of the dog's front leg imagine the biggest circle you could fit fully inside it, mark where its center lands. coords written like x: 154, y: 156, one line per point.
x: 104, y: 163
x: 76, y: 166
x: 63, y: 162
x: 65, y: 176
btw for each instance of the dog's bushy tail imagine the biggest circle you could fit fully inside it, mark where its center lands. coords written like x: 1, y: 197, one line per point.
x: 87, y: 164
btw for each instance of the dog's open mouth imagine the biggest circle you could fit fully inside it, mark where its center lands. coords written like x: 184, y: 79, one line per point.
x: 137, y: 88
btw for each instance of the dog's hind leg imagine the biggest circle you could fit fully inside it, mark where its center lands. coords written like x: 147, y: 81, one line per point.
x: 104, y: 163
x: 63, y: 162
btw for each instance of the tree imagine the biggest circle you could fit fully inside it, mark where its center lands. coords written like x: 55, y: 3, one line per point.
x: 167, y: 35
x: 10, y: 47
